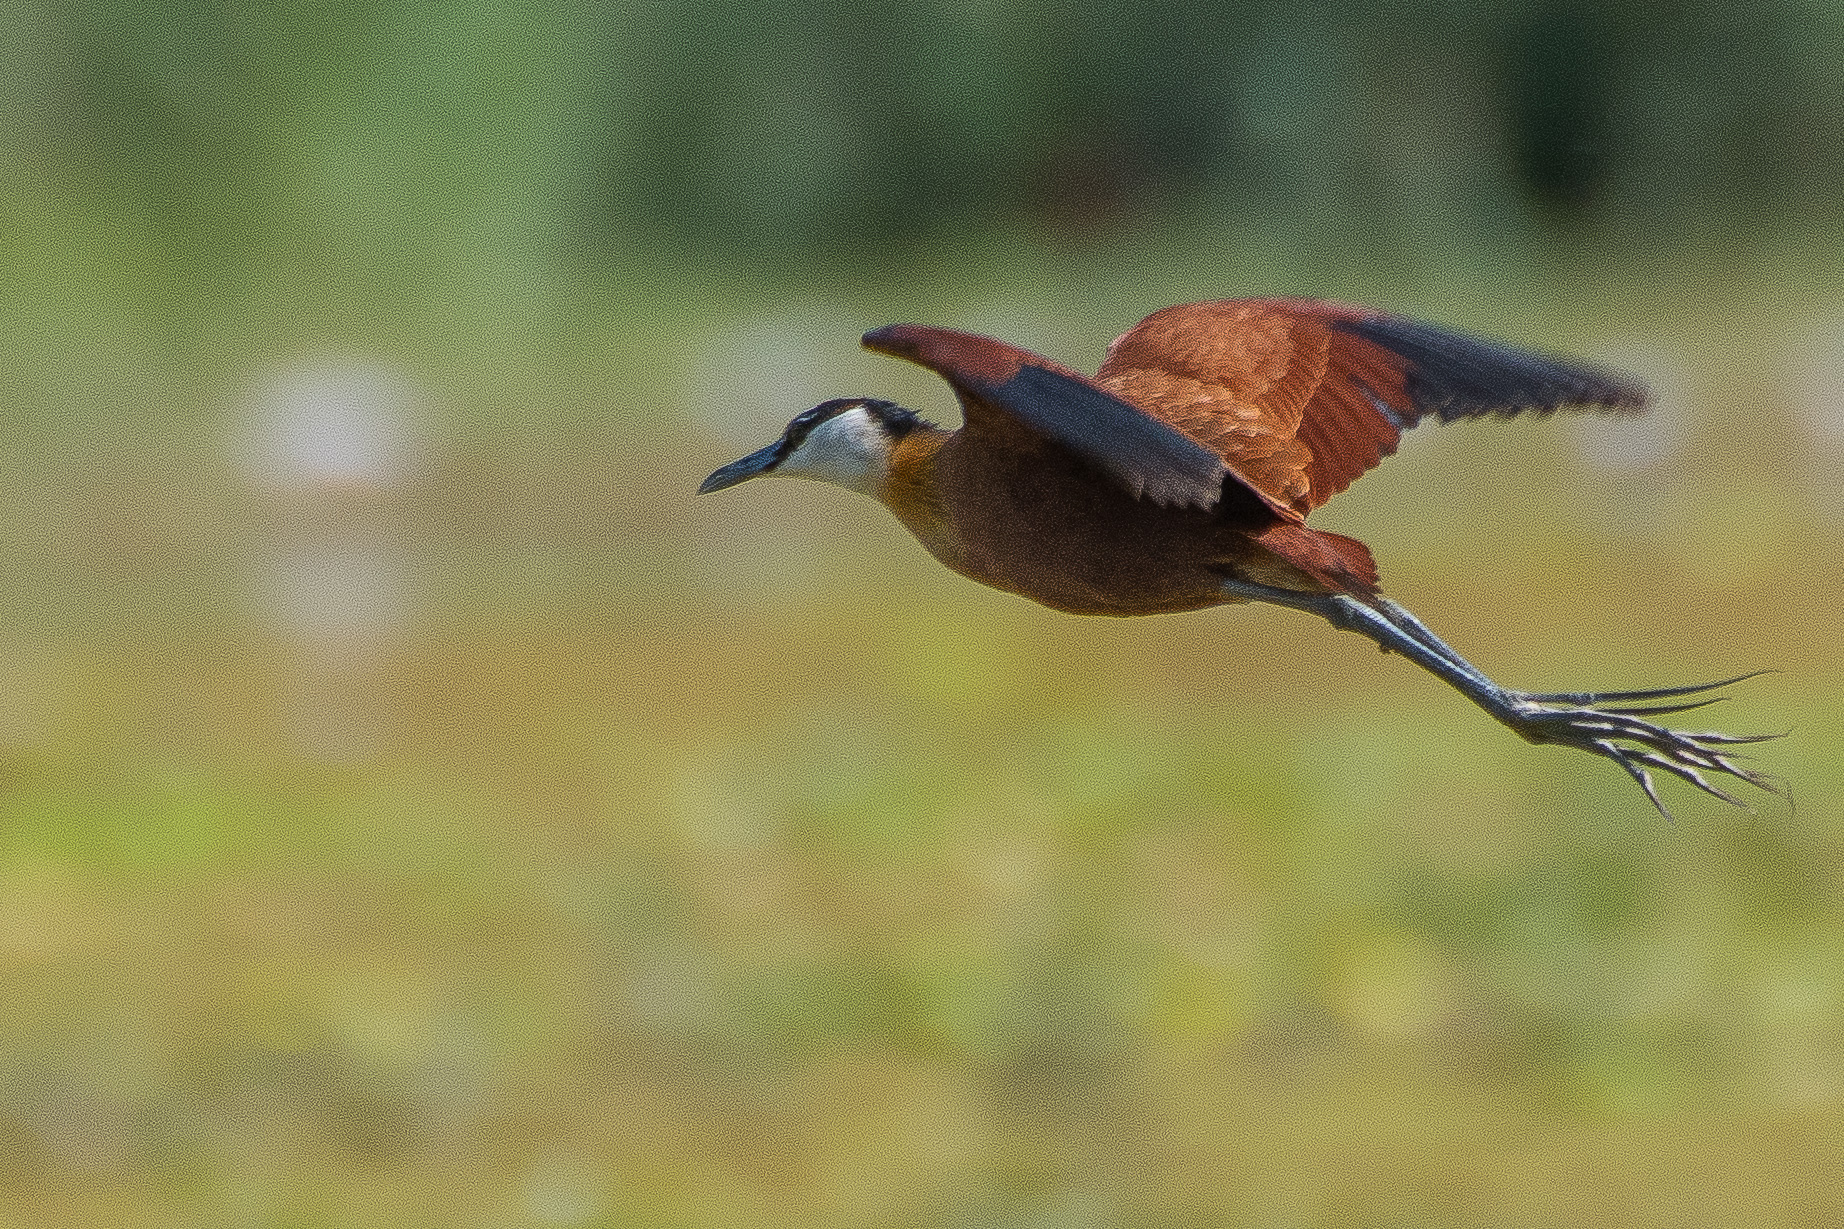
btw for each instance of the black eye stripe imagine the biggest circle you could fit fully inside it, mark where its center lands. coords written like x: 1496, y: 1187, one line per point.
x: 802, y: 427
x: 893, y: 418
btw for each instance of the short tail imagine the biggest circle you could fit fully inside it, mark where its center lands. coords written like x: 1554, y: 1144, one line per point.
x: 1335, y: 561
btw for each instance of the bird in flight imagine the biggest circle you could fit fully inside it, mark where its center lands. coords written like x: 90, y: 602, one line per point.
x: 1181, y: 474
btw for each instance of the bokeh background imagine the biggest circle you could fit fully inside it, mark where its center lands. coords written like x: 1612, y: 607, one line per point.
x: 416, y: 808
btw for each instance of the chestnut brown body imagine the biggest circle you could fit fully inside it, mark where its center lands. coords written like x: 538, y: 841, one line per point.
x: 1031, y: 519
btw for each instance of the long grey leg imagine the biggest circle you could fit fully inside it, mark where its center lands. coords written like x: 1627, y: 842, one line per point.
x: 1567, y: 719
x: 1393, y: 628
x: 1404, y: 618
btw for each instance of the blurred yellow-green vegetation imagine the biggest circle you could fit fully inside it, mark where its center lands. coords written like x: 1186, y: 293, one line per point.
x: 416, y: 808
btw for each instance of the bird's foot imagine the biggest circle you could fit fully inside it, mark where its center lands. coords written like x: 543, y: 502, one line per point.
x: 1609, y: 724
x: 1614, y: 725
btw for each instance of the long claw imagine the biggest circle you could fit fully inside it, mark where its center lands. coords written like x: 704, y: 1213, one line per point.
x: 1655, y: 693
x: 1710, y: 736
x: 1659, y: 710
x: 1613, y: 752
x: 1690, y: 774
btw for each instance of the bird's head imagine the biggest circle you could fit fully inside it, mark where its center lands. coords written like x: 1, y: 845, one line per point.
x: 847, y: 442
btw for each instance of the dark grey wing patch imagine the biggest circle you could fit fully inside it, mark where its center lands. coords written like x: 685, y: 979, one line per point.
x: 1451, y: 375
x: 1151, y: 460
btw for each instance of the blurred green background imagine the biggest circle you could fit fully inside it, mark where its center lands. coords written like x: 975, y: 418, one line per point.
x: 416, y: 808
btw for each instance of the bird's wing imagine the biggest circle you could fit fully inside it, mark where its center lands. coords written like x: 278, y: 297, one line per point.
x: 1000, y: 384
x: 1300, y: 398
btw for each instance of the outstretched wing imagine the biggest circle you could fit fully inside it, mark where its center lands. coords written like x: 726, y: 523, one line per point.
x: 1150, y: 459
x: 1299, y: 398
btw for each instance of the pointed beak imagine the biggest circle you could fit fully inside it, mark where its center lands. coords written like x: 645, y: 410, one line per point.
x: 758, y: 462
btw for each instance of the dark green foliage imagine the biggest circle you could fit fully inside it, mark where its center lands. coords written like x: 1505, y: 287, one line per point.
x: 1562, y: 71
x: 791, y: 126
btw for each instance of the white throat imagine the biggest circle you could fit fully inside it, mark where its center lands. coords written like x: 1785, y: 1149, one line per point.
x: 848, y: 450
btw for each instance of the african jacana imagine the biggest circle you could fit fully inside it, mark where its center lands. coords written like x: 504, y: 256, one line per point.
x: 1181, y: 475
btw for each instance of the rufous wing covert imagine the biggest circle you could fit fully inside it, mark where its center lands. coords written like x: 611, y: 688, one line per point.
x: 1301, y: 398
